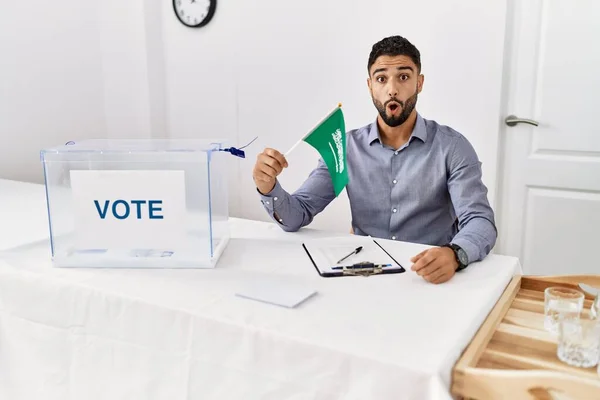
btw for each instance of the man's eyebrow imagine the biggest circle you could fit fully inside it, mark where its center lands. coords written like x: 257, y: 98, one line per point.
x: 401, y: 68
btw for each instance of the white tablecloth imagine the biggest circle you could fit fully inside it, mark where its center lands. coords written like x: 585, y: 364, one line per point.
x: 183, y: 334
x: 23, y: 215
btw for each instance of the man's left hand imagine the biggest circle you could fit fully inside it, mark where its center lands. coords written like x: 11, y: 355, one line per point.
x: 435, y: 265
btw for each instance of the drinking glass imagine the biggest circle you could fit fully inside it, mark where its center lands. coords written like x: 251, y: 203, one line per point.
x: 595, y: 310
x: 579, y: 341
x: 561, y: 303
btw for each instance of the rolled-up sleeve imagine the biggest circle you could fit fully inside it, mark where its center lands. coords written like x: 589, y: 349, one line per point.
x: 293, y: 211
x: 477, y: 230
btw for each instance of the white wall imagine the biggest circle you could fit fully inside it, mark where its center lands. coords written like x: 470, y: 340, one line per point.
x: 133, y: 68
x: 71, y: 70
x: 51, y: 87
x: 274, y: 68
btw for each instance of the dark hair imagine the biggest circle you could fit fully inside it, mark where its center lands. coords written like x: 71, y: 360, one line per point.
x: 394, y: 46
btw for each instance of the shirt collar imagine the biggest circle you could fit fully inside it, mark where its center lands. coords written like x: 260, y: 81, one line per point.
x: 419, y: 131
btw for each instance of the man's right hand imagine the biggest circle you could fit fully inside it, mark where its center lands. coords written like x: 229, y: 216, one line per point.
x: 268, y: 165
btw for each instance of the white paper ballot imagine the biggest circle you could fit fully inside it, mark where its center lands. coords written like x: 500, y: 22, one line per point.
x: 281, y: 293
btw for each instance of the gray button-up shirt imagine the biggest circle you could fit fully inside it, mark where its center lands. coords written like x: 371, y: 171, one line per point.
x: 428, y: 191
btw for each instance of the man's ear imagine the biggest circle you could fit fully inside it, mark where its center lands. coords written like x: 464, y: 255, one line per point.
x: 369, y: 83
x: 420, y: 81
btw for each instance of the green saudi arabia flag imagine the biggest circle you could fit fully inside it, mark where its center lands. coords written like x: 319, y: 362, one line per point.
x: 329, y: 139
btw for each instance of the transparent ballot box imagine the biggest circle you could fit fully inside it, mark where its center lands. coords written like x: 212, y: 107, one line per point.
x: 137, y: 203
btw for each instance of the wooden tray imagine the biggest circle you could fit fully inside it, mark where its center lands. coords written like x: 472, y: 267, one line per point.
x: 512, y: 356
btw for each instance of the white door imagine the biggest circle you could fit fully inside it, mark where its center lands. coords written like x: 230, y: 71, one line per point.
x: 549, y: 194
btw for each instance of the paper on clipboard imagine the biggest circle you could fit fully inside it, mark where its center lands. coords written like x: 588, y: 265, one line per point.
x: 325, y: 253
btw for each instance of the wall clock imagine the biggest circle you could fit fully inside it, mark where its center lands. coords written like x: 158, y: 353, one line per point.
x: 194, y: 13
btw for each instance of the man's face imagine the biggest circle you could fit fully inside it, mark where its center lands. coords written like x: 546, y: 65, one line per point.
x: 394, y: 83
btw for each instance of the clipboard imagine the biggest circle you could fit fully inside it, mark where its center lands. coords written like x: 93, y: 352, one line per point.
x: 373, y: 260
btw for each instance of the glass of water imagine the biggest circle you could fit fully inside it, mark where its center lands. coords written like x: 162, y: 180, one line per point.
x: 579, y: 342
x: 561, y: 303
x: 595, y: 310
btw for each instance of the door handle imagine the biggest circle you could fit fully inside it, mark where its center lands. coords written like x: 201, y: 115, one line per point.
x: 512, y: 120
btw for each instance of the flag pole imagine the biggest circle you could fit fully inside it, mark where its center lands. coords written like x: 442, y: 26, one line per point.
x: 312, y: 130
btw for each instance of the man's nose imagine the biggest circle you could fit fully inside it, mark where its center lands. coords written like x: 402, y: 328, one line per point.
x: 393, y: 92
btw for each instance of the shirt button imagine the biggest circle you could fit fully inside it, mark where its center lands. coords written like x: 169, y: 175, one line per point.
x: 394, y: 181
x: 394, y: 210
x: 266, y: 202
x: 274, y: 198
x: 395, y: 153
x: 393, y: 237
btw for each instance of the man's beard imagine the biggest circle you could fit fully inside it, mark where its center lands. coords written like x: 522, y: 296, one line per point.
x: 407, y: 107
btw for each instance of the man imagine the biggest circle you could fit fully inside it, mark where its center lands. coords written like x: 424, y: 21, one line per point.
x: 410, y: 179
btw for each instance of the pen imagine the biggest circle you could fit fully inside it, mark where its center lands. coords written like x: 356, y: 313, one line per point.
x: 358, y: 266
x: 355, y: 251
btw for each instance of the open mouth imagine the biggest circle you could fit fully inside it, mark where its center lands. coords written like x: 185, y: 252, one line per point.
x: 393, y: 107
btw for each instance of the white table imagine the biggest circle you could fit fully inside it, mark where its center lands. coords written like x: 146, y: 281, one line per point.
x: 183, y: 334
x: 23, y: 213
